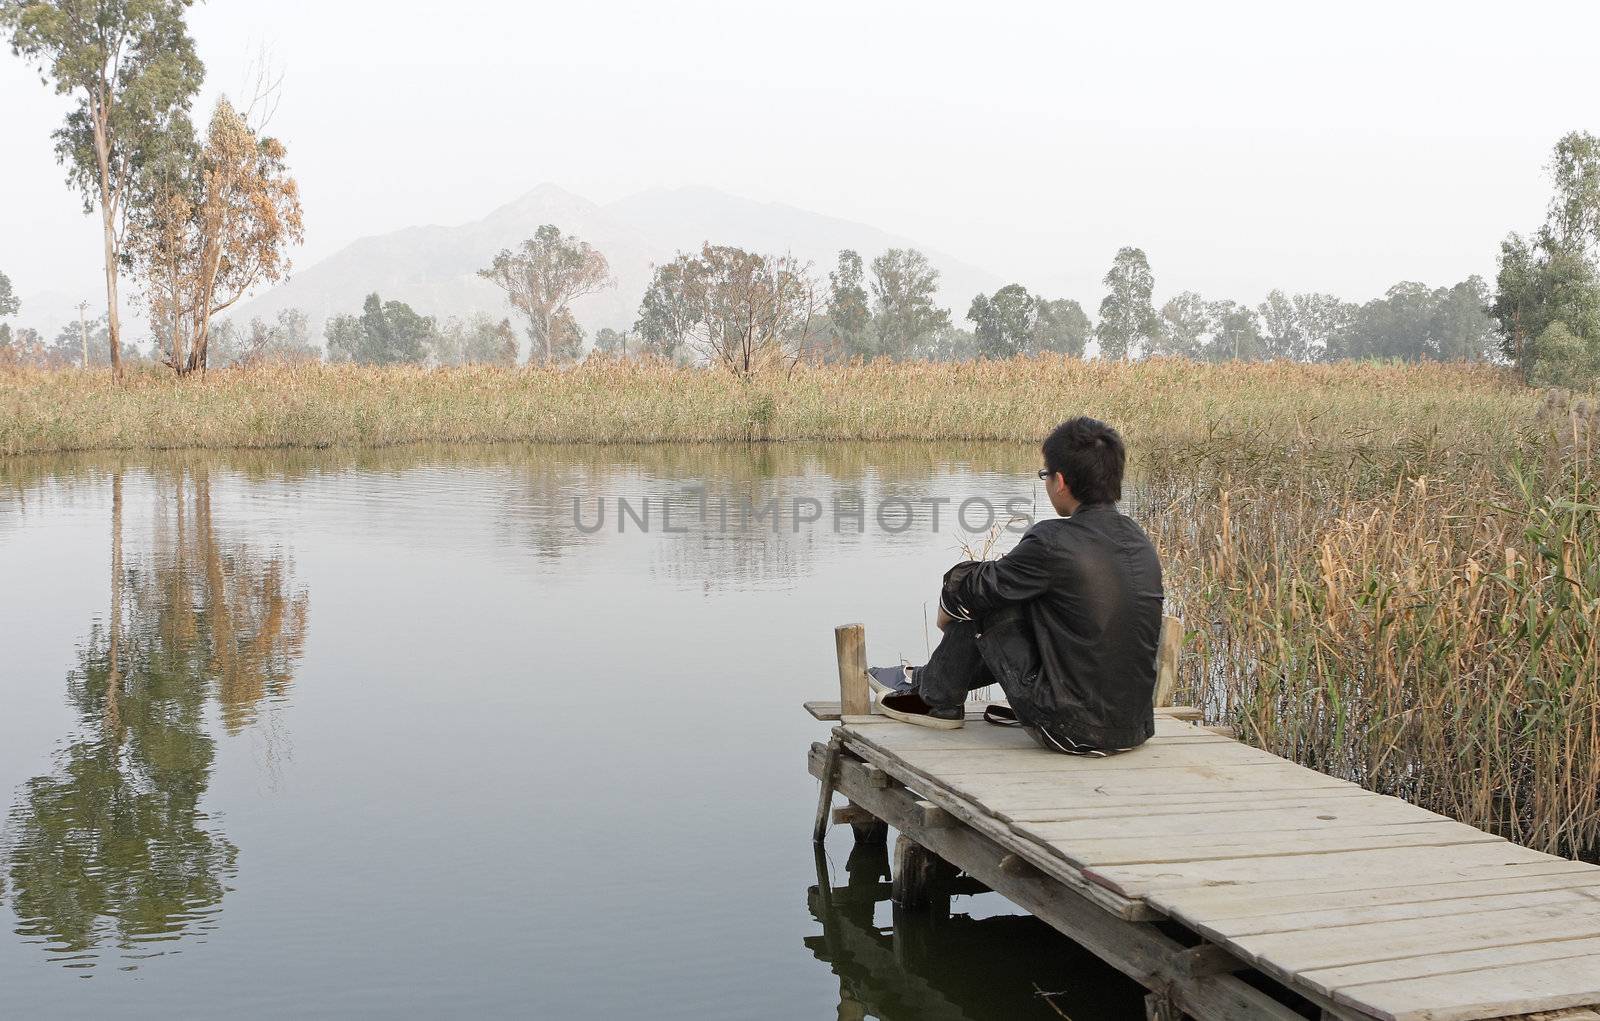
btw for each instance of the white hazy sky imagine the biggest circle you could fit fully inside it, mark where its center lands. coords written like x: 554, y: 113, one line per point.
x: 1336, y: 147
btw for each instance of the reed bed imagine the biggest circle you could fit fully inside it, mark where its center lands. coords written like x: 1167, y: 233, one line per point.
x: 1424, y: 624
x: 602, y: 401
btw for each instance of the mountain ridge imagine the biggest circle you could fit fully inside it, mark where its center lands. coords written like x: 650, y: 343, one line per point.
x: 433, y: 267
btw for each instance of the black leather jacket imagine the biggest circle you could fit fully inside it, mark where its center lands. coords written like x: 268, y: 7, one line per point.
x: 1070, y: 619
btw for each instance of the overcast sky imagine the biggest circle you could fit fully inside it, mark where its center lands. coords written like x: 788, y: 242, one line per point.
x: 1331, y: 147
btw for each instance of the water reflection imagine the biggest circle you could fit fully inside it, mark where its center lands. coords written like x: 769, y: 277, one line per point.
x: 936, y: 965
x: 113, y: 849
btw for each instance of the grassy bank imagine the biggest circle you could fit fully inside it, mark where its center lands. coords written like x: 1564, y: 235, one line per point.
x: 1159, y: 402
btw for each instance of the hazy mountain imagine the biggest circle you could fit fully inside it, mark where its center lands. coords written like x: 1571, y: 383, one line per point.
x: 434, y: 268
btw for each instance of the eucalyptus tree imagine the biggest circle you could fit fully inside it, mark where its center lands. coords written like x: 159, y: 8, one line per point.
x: 905, y: 316
x: 848, y: 313
x: 130, y: 70
x: 542, y: 277
x: 1128, y: 320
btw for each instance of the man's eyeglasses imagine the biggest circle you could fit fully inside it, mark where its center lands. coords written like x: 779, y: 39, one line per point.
x: 1045, y: 473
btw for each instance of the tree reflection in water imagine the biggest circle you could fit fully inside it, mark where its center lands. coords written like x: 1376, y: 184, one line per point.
x: 112, y: 849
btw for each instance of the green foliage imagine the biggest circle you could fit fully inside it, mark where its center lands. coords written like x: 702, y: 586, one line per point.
x: 9, y: 305
x: 1004, y: 325
x: 1061, y: 326
x: 848, y: 314
x: 1559, y: 357
x: 669, y: 311
x: 1185, y: 326
x: 904, y: 315
x: 130, y: 67
x: 1128, y: 320
x: 1237, y: 333
x: 385, y: 333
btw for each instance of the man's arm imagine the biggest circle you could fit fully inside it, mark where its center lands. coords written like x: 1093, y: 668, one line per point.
x: 974, y: 588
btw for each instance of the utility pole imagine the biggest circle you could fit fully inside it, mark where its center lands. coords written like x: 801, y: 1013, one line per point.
x: 83, y: 332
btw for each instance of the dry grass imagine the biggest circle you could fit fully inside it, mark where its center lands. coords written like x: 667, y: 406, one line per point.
x: 1154, y: 402
x: 1425, y: 624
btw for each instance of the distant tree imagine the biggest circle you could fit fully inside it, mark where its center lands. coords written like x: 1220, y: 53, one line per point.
x: 613, y: 343
x: 753, y: 310
x: 283, y: 341
x: 1282, y: 335
x: 1461, y: 330
x: 23, y: 348
x: 566, y: 337
x: 904, y: 316
x: 1128, y: 320
x: 1004, y: 325
x: 385, y: 333
x: 490, y: 342
x: 66, y: 351
x: 848, y: 314
x: 952, y: 344
x: 1319, y: 319
x: 1186, y: 326
x: 1236, y: 333
x: 1060, y: 326
x: 131, y: 71
x: 481, y: 340
x: 541, y: 278
x: 215, y: 225
x: 1573, y: 220
x: 9, y: 305
x: 669, y: 309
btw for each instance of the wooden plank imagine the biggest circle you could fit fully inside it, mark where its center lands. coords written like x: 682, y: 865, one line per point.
x: 1211, y: 805
x: 983, y: 736
x: 1244, y: 905
x: 823, y: 710
x: 1182, y: 848
x: 1288, y: 953
x: 1439, y: 863
x: 1329, y: 980
x: 1301, y: 918
x: 1371, y: 810
x: 1036, y: 762
x: 1488, y: 993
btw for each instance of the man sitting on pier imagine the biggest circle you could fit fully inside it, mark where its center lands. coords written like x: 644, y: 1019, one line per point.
x: 1066, y: 623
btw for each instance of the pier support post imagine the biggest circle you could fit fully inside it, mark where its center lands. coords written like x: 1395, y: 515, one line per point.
x: 855, y: 699
x: 1159, y: 1007
x: 850, y: 642
x: 920, y: 877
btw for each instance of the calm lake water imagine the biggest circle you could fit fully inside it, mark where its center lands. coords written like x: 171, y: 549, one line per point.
x: 406, y: 733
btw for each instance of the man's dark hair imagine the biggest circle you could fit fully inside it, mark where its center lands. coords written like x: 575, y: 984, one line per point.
x: 1090, y: 456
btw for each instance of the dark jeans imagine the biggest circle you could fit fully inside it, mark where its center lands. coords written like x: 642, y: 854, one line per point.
x: 954, y: 668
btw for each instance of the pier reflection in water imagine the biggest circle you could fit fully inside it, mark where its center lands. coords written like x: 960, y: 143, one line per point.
x: 942, y: 964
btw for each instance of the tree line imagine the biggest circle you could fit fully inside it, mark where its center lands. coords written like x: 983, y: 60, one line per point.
x: 199, y: 218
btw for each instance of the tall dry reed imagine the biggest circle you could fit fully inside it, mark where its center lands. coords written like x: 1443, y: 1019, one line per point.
x: 1424, y: 623
x: 602, y: 401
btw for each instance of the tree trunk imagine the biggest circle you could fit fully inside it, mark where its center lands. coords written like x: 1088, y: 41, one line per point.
x: 113, y: 324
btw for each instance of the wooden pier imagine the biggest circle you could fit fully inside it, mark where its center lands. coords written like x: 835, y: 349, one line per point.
x: 1227, y: 881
